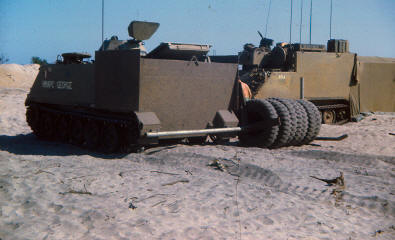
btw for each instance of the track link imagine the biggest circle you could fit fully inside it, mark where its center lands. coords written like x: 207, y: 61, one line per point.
x: 97, y: 133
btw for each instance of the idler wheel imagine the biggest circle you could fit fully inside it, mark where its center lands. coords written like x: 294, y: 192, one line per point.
x: 110, y: 138
x: 91, y: 134
x: 77, y: 135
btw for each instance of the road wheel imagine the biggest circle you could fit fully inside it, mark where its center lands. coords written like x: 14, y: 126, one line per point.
x: 314, y: 121
x: 109, y: 138
x: 63, y: 128
x: 47, y: 126
x: 77, y: 135
x: 328, y: 116
x: 265, y: 134
x: 91, y: 134
x: 285, y: 127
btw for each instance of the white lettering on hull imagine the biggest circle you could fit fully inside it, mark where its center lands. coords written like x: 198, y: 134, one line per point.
x: 48, y: 84
x: 63, y: 85
x: 58, y: 85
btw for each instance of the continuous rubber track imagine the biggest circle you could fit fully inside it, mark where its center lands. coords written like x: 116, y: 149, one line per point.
x: 260, y: 110
x: 314, y: 121
x: 285, y: 128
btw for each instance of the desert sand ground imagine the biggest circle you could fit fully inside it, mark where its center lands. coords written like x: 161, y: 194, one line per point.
x: 50, y: 190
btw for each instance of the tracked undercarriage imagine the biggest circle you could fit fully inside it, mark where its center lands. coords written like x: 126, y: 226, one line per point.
x: 333, y: 110
x: 107, y: 132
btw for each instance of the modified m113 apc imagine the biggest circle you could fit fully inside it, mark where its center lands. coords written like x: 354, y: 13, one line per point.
x: 127, y: 98
x: 341, y: 84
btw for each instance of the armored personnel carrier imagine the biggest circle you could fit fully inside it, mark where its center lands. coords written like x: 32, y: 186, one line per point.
x: 127, y: 98
x: 341, y: 84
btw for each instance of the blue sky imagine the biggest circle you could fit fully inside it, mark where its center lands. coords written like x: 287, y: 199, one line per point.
x: 46, y: 28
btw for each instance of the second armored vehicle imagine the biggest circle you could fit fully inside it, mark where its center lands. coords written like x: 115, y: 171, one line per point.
x: 341, y: 84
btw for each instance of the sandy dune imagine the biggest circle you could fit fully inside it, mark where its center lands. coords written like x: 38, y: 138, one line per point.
x: 18, y: 76
x: 56, y: 191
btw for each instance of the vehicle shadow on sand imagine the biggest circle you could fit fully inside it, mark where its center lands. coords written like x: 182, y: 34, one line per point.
x: 29, y: 144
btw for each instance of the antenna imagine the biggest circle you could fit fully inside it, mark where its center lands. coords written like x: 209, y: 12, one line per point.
x: 290, y: 26
x: 102, y: 23
x: 311, y: 16
x: 330, y: 24
x: 267, y: 18
x: 301, y: 21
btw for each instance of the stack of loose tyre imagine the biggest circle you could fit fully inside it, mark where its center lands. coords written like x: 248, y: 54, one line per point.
x: 284, y: 122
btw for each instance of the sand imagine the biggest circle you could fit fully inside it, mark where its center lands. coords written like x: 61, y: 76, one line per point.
x: 18, y: 76
x: 57, y: 191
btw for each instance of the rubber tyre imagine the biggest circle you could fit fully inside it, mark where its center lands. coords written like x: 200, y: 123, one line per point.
x: 260, y: 110
x: 285, y: 128
x: 302, y: 124
x: 292, y: 114
x: 314, y: 121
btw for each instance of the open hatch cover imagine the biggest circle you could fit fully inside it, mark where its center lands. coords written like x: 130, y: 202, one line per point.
x: 180, y: 51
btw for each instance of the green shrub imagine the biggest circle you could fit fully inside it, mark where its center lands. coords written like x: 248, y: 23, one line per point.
x: 37, y: 60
